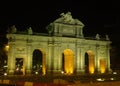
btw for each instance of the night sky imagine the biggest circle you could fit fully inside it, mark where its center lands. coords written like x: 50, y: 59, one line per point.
x: 98, y: 17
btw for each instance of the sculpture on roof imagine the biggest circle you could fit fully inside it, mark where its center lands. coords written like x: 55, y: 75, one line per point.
x: 30, y: 31
x: 67, y: 17
x: 107, y: 37
x: 50, y: 28
x: 12, y: 29
x: 97, y: 36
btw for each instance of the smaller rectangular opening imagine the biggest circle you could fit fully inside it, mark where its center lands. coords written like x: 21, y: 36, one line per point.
x: 19, y: 66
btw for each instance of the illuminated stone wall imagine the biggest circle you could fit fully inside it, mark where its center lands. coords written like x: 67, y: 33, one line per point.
x: 53, y: 47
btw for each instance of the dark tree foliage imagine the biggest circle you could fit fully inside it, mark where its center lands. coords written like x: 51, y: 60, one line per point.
x: 3, y: 54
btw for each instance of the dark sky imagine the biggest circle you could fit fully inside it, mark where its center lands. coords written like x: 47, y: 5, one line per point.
x: 98, y: 17
x: 101, y: 17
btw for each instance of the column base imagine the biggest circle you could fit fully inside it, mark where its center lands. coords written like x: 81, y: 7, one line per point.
x: 27, y: 72
x: 79, y: 72
x: 54, y: 72
x: 11, y: 72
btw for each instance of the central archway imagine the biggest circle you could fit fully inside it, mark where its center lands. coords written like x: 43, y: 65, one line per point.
x: 68, y: 61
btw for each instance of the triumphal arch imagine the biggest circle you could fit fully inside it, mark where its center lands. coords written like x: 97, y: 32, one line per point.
x: 64, y: 50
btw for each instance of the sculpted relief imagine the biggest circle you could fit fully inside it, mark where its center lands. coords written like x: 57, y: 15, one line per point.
x: 102, y: 51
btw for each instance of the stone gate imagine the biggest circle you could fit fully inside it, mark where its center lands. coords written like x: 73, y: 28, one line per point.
x: 64, y: 50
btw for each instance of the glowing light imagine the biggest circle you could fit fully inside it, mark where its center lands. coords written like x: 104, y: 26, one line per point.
x: 44, y: 70
x: 69, y: 59
x: 36, y: 72
x: 102, y: 66
x: 62, y: 72
x: 7, y: 47
x: 44, y: 63
x: 112, y: 79
x: 91, y: 70
x: 91, y: 65
x: 17, y: 69
x: 91, y: 62
x: 114, y: 72
x: 100, y: 79
x: 5, y: 74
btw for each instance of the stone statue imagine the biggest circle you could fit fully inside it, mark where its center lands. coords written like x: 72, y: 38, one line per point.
x: 107, y: 37
x: 30, y: 31
x: 97, y: 36
x: 50, y: 28
x: 13, y: 29
x: 67, y: 17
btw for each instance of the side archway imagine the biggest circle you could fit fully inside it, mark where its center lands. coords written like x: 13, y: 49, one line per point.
x: 38, y: 62
x: 68, y: 61
x: 90, y: 62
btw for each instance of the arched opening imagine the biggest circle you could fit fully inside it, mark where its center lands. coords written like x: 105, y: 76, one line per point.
x: 38, y: 64
x: 89, y: 62
x: 19, y: 66
x: 86, y: 63
x: 68, y: 61
x: 102, y: 65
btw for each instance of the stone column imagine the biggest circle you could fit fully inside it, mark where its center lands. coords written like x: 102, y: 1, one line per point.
x: 28, y: 65
x: 78, y: 61
x: 55, y: 58
x: 97, y: 65
x: 108, y: 59
x: 11, y: 59
x: 82, y: 55
x: 49, y: 59
x: 59, y: 59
